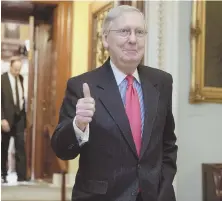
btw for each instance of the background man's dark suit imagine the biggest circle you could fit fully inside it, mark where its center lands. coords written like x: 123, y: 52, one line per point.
x: 109, y: 168
x: 17, y: 125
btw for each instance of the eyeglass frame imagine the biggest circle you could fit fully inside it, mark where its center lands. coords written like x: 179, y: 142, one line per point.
x: 129, y: 32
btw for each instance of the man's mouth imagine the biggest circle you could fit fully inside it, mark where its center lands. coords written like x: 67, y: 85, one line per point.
x: 130, y: 50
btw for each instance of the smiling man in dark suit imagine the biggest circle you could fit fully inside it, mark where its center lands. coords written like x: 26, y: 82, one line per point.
x: 118, y: 118
x: 13, y: 118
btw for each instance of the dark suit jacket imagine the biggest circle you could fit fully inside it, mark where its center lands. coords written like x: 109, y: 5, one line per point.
x: 7, y: 102
x: 109, y: 168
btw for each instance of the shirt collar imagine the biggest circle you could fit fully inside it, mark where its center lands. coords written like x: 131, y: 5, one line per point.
x: 10, y: 75
x: 120, y: 76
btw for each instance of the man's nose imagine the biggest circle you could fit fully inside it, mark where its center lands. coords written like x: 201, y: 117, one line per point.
x: 132, y: 37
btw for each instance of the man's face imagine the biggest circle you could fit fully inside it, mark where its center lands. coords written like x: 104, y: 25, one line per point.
x: 16, y: 68
x: 126, y: 49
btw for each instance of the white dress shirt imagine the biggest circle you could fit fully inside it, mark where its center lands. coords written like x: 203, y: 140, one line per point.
x: 83, y: 137
x: 20, y: 90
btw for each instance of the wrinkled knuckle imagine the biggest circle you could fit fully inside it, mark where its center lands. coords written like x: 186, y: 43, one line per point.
x: 91, y: 113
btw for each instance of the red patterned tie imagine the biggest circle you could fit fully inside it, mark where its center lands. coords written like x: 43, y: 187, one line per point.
x: 133, y: 112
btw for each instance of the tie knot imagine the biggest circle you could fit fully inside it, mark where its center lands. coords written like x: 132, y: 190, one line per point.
x: 129, y: 79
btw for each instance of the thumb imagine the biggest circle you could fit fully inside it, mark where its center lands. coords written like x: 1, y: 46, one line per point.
x: 86, y: 91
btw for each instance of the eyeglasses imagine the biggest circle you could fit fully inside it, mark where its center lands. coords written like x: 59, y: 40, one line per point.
x: 127, y: 32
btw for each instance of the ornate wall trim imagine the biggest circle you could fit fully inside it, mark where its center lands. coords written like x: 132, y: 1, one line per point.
x: 161, y: 31
x: 155, y: 19
x: 97, y: 53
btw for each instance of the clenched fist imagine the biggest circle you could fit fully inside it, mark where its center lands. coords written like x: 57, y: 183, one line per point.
x: 85, y: 109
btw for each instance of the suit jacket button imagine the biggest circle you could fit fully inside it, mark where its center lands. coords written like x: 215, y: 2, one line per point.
x: 138, y: 166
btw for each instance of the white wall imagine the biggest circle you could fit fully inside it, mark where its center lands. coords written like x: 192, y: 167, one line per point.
x: 198, y: 127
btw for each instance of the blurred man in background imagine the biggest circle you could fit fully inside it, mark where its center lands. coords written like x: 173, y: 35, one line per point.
x: 13, y: 118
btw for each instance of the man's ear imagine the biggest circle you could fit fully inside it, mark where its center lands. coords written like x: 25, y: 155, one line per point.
x: 104, y: 40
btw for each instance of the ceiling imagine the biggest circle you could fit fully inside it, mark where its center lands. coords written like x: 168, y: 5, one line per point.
x: 21, y: 10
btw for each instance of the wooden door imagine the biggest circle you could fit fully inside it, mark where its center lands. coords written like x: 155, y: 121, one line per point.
x: 30, y: 101
x: 37, y: 71
x: 43, y: 62
x: 53, y: 47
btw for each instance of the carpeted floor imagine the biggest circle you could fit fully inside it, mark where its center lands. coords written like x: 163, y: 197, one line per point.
x: 31, y: 191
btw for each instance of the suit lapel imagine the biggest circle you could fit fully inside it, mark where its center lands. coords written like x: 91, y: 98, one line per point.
x: 110, y: 97
x: 150, y: 98
x: 9, y: 87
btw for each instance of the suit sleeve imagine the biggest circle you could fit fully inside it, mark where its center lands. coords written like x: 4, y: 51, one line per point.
x: 2, y: 114
x: 64, y: 141
x: 2, y: 110
x: 2, y: 100
x: 169, y: 167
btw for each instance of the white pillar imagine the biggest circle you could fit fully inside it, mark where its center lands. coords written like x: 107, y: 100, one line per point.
x: 162, y: 44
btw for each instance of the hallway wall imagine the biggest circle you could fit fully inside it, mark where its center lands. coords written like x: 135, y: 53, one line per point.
x: 80, y: 37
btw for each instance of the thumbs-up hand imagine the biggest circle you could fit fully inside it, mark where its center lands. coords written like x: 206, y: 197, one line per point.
x: 85, y: 109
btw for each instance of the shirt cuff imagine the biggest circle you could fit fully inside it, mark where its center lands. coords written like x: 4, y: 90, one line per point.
x: 81, y: 136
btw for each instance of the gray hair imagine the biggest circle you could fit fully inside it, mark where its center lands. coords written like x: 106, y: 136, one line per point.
x: 117, y: 12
